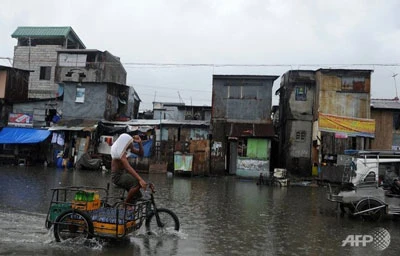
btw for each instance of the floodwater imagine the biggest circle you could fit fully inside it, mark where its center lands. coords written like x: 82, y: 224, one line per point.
x: 218, y: 216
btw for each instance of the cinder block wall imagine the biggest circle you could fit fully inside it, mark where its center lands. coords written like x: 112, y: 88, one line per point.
x: 32, y: 58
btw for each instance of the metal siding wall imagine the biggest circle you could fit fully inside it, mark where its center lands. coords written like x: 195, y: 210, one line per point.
x: 383, y: 129
x: 92, y: 108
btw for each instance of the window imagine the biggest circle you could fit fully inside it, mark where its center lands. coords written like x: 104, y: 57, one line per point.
x: 249, y: 92
x: 234, y: 92
x: 45, y: 73
x: 301, y: 136
x: 301, y: 93
x: 356, y: 84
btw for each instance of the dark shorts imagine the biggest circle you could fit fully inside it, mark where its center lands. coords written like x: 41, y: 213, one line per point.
x: 124, y: 179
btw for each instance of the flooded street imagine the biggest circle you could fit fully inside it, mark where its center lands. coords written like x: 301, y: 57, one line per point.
x: 218, y: 216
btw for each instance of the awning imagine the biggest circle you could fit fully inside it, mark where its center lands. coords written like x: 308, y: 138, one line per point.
x: 17, y: 135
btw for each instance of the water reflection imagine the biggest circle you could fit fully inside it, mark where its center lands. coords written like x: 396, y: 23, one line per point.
x: 218, y: 215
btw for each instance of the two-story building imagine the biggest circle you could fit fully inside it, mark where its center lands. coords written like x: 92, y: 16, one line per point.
x: 322, y: 114
x: 183, y: 134
x: 20, y: 143
x: 241, y: 125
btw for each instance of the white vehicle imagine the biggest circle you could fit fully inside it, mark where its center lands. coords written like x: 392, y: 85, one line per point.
x: 371, y: 185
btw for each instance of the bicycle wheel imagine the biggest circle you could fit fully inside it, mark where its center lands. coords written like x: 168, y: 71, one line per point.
x: 370, y: 215
x: 169, y: 221
x: 73, y: 224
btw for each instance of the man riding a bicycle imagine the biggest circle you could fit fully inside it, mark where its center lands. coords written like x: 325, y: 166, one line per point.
x: 122, y: 173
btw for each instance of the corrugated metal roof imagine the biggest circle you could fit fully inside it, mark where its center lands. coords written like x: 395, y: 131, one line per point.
x: 41, y: 32
x: 47, y: 32
x: 251, y: 130
x: 385, y: 104
x: 248, y: 77
x: 157, y: 122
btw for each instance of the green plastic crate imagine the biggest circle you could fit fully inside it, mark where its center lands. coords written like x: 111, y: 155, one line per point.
x: 57, y: 209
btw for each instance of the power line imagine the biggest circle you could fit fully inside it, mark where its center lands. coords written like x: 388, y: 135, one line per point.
x: 168, y: 88
x: 160, y: 64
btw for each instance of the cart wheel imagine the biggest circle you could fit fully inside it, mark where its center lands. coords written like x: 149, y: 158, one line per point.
x: 169, y: 221
x: 372, y: 215
x: 73, y: 224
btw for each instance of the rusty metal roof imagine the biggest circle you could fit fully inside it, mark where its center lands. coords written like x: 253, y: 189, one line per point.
x: 247, y: 77
x: 74, y: 125
x: 385, y: 103
x: 251, y: 130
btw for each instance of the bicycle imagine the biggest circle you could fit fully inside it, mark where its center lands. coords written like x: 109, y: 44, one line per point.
x: 79, y: 213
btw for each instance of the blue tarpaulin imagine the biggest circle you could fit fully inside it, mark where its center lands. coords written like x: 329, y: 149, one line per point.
x: 17, y: 135
x: 147, y: 144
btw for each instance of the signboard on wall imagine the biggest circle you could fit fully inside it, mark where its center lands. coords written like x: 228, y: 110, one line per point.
x: 349, y: 126
x: 20, y: 120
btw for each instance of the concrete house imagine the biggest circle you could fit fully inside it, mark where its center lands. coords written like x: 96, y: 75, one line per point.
x: 297, y: 108
x: 36, y: 50
x: 322, y: 114
x: 241, y: 125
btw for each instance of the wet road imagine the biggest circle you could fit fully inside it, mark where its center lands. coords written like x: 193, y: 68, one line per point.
x: 218, y: 215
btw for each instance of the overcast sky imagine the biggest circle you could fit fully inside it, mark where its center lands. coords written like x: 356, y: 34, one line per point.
x: 228, y: 37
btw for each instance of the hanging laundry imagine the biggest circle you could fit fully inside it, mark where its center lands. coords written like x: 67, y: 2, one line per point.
x: 61, y: 139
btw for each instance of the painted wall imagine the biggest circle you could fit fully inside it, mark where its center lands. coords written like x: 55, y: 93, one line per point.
x: 257, y: 159
x: 251, y: 168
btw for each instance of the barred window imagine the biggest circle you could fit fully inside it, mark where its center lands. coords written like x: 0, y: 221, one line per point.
x: 300, y: 135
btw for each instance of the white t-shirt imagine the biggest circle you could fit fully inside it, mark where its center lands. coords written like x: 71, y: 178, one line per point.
x: 119, y: 147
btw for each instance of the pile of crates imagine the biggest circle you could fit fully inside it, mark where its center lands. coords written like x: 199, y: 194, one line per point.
x: 86, y: 200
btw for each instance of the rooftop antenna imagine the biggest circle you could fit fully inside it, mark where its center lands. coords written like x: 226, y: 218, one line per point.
x: 180, y: 98
x: 395, y: 85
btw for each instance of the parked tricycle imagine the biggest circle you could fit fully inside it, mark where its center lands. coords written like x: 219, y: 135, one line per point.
x: 86, y: 212
x: 370, y: 186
